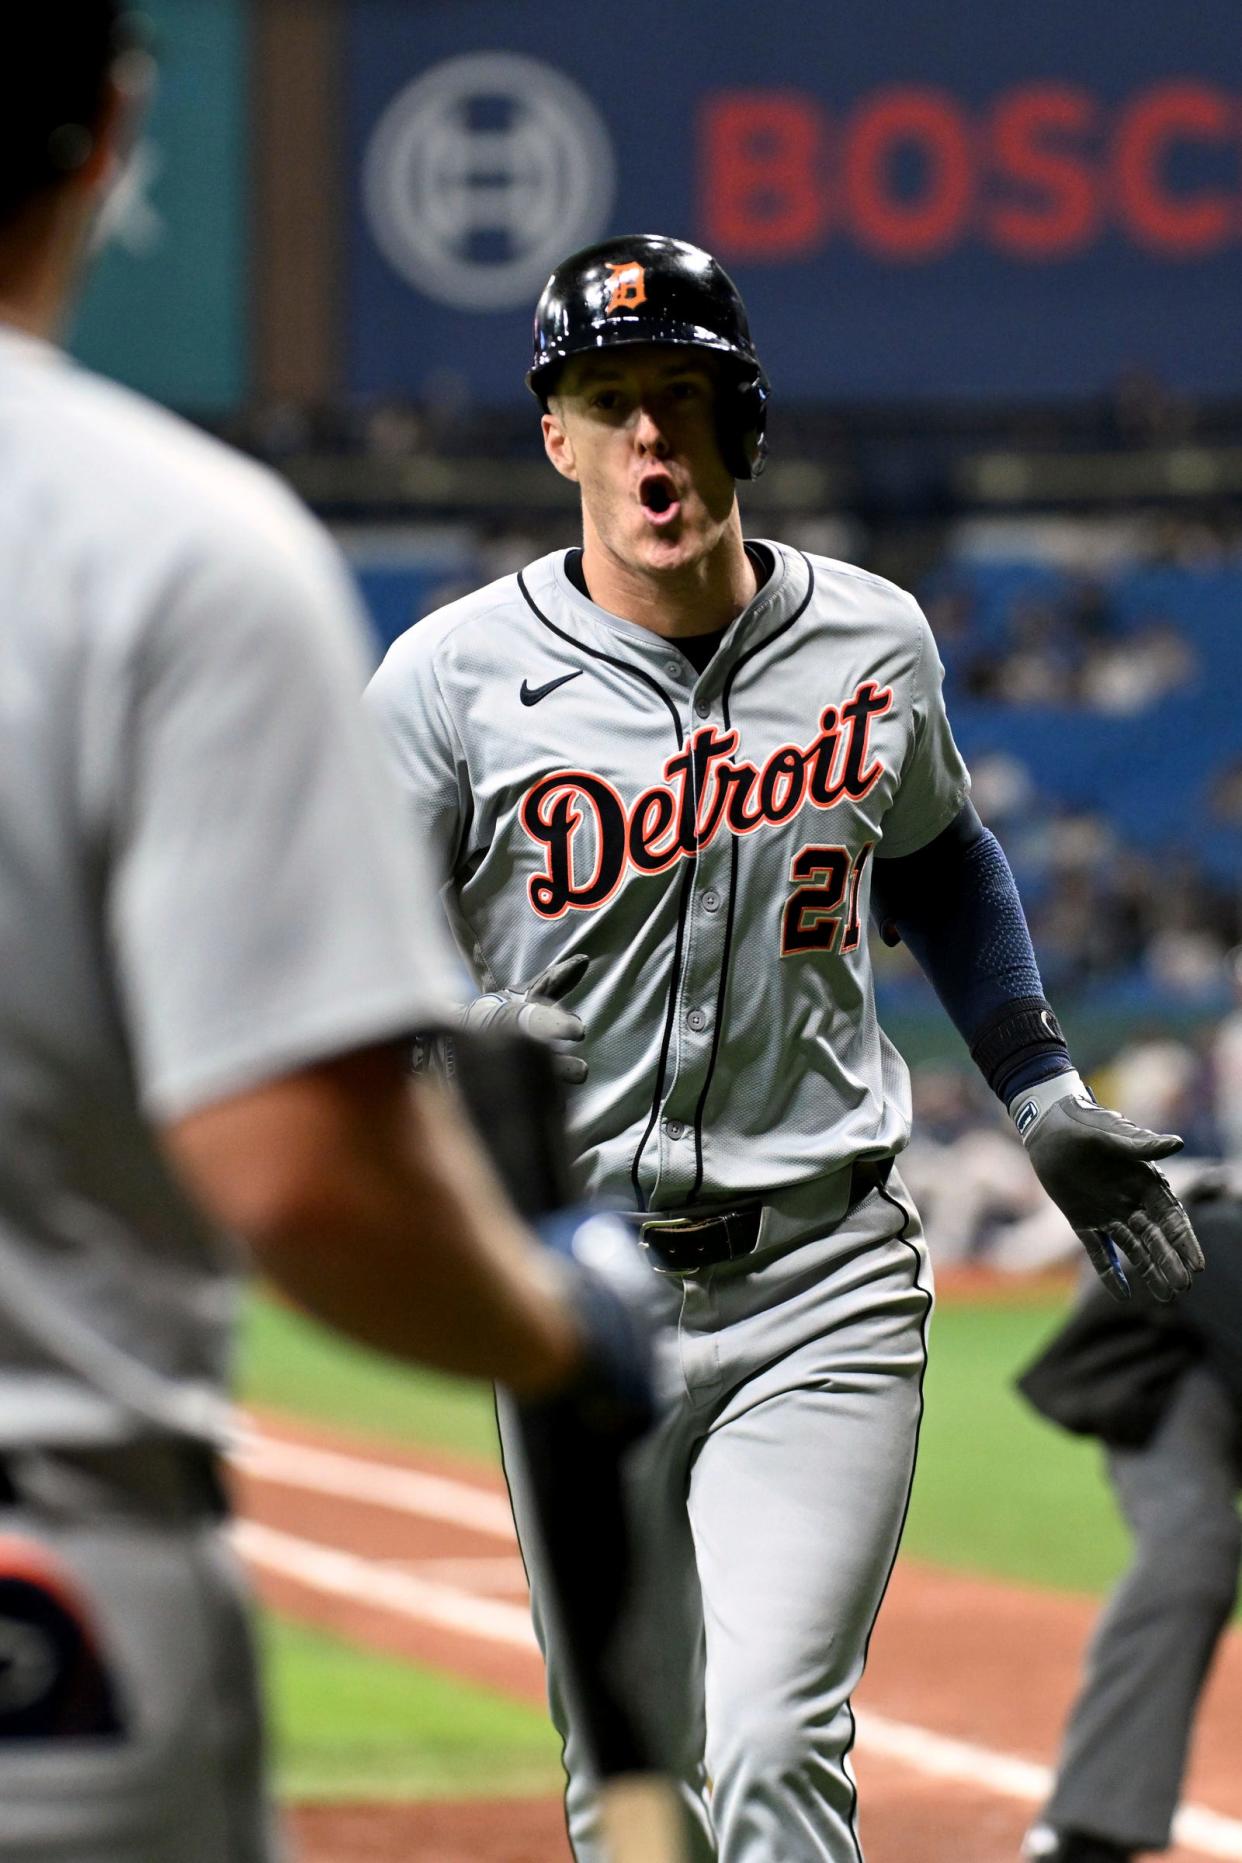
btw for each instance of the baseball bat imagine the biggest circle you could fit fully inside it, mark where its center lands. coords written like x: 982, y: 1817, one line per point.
x: 509, y: 1088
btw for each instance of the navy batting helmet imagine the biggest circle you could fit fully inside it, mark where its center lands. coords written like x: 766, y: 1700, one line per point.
x: 644, y: 288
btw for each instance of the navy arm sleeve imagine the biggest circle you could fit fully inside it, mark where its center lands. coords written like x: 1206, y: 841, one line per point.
x: 955, y: 904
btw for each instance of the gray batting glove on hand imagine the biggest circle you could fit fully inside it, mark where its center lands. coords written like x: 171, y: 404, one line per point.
x: 1097, y: 1167
x: 537, y: 1011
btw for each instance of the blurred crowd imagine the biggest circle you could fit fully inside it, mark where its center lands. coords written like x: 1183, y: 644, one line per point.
x: 1111, y: 892
x: 1071, y: 653
x: 1100, y: 906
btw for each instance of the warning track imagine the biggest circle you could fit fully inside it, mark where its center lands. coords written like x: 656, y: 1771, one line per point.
x: 958, y: 1717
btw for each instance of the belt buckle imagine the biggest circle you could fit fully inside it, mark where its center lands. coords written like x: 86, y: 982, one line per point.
x: 680, y: 1226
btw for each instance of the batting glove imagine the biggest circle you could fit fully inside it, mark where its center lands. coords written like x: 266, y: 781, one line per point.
x: 1097, y: 1166
x: 537, y: 1011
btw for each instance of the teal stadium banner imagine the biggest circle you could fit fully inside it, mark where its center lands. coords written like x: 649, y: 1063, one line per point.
x: 167, y: 307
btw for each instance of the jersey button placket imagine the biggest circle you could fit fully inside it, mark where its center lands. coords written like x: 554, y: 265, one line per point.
x: 678, y: 1149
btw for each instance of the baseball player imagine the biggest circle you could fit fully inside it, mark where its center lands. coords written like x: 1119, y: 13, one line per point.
x: 668, y: 775
x: 214, y: 943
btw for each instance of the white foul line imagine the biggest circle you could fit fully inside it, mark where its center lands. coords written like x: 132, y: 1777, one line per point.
x: 382, y: 1484
x: 490, y: 1577
x: 1005, y: 1775
x: 385, y: 1587
x: 1201, y: 1829
x: 938, y: 1757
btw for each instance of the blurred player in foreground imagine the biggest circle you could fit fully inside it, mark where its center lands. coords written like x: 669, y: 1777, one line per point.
x: 1162, y: 1390
x: 668, y: 773
x: 212, y: 944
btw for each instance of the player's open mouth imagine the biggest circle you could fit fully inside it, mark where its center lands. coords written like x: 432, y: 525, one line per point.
x: 658, y: 496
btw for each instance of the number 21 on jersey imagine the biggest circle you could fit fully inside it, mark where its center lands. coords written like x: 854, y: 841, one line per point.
x: 827, y: 891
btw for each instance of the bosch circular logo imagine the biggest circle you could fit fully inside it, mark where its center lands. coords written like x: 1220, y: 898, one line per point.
x: 482, y: 174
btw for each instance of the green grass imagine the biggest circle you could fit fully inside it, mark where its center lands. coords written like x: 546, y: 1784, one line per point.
x: 998, y: 1491
x: 289, y: 1363
x: 351, y: 1725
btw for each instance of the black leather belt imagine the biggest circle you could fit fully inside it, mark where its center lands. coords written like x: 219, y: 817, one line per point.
x: 171, y: 1479
x: 683, y: 1243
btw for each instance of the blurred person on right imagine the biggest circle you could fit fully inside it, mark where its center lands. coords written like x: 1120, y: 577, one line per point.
x: 1161, y: 1389
x: 1227, y: 1064
x: 215, y: 943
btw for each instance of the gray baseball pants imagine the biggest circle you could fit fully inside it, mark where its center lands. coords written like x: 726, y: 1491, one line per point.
x: 1124, y: 1755
x: 767, y: 1507
x: 183, y: 1782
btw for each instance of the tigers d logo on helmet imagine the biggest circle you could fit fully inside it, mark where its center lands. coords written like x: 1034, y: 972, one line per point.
x: 629, y: 286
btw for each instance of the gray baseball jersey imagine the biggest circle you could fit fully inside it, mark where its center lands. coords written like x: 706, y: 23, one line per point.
x: 202, y: 883
x: 705, y: 838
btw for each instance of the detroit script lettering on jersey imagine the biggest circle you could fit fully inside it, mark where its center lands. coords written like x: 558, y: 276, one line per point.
x: 704, y: 791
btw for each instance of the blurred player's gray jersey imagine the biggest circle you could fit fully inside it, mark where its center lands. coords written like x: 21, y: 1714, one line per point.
x: 706, y: 839
x: 201, y: 886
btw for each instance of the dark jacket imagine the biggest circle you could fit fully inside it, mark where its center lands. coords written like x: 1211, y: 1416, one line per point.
x: 1112, y: 1368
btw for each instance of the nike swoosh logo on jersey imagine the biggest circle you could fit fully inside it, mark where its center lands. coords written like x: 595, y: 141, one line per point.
x: 531, y: 695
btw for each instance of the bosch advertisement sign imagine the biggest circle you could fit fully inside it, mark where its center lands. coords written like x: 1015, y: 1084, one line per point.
x: 1041, y: 172
x: 953, y: 206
